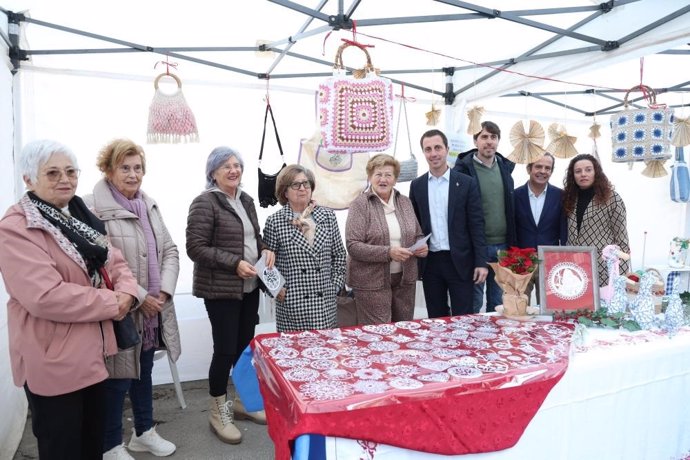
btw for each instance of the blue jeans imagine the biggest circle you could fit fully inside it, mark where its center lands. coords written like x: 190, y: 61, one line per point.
x: 494, y: 293
x: 141, y: 397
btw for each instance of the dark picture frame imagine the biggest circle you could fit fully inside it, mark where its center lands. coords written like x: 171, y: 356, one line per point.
x: 568, y: 278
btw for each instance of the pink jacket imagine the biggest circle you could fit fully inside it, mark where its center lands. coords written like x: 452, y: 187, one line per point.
x: 59, y: 325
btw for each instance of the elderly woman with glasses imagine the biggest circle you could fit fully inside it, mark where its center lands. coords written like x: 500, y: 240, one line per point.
x: 309, y: 254
x: 55, y: 260
x: 135, y: 226
x: 224, y: 243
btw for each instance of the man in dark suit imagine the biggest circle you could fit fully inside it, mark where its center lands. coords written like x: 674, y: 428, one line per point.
x: 539, y: 217
x: 448, y: 205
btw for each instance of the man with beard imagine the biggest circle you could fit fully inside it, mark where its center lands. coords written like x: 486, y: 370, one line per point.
x: 493, y: 174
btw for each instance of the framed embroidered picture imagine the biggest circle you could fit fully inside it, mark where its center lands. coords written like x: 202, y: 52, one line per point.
x: 568, y: 278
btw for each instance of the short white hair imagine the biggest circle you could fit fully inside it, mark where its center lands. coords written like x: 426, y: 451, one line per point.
x: 36, y: 153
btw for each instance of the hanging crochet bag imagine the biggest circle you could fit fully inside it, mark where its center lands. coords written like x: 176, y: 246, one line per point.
x: 355, y: 114
x: 408, y: 168
x: 680, y: 179
x: 642, y: 134
x: 267, y: 182
x: 171, y: 121
x: 336, y: 186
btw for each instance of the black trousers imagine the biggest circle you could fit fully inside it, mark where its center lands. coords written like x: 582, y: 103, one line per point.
x: 440, y: 278
x: 69, y: 426
x: 233, y: 323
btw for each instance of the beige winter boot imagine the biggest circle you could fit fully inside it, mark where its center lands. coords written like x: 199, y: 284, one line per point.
x: 220, y: 419
x: 242, y: 414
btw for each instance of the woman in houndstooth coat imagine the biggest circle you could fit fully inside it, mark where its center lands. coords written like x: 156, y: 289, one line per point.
x: 596, y: 213
x: 309, y: 254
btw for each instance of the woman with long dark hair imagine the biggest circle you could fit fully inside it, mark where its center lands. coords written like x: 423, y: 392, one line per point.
x: 596, y: 213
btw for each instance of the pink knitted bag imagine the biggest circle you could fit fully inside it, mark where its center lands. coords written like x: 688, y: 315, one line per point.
x: 355, y: 114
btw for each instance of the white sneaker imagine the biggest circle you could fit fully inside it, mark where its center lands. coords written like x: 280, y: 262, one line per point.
x: 117, y: 453
x: 150, y: 441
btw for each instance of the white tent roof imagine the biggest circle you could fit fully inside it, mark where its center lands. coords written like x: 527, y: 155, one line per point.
x: 531, y: 40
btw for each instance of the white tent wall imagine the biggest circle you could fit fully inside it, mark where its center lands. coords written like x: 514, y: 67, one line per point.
x: 13, y: 404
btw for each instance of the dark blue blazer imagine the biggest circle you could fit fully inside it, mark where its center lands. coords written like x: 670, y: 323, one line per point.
x: 465, y: 221
x: 552, y: 229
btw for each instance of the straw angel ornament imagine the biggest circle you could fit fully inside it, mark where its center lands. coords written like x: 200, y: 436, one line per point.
x: 594, y: 134
x: 654, y: 168
x: 528, y: 146
x: 681, y: 132
x: 562, y: 145
x: 475, y: 116
x: 433, y: 115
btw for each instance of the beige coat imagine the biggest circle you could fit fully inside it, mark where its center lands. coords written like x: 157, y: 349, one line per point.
x: 127, y: 234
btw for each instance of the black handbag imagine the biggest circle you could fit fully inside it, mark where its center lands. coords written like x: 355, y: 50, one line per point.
x: 267, y: 182
x: 126, y: 333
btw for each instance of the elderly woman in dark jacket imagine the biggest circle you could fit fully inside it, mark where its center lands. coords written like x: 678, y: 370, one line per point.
x: 381, y: 226
x: 224, y: 243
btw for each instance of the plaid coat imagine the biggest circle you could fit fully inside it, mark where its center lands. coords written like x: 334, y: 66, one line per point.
x: 601, y: 225
x: 313, y: 274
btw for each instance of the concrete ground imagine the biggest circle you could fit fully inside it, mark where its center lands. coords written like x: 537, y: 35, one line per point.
x: 187, y: 428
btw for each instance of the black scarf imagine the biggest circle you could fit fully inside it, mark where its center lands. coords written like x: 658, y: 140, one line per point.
x: 584, y: 197
x: 84, y: 230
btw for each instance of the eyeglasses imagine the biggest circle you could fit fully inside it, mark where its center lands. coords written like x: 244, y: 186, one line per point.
x: 296, y: 185
x: 54, y: 174
x: 126, y: 169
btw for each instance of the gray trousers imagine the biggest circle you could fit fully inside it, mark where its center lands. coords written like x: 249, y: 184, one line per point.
x: 389, y: 304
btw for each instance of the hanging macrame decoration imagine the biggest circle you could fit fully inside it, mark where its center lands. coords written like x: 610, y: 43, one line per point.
x: 681, y: 132
x: 527, y: 146
x: 171, y: 121
x: 562, y: 145
x: 475, y: 116
x: 433, y: 115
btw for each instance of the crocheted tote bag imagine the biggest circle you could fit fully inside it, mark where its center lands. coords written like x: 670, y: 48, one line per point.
x: 355, y: 114
x: 642, y: 134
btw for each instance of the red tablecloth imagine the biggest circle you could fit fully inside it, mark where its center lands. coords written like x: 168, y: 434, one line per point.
x: 449, y: 386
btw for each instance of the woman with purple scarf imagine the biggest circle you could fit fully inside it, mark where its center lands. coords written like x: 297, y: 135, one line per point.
x: 135, y: 226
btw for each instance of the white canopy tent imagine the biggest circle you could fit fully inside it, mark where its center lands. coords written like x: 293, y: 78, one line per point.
x: 100, y: 89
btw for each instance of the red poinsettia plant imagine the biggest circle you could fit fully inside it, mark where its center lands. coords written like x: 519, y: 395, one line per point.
x: 520, y: 261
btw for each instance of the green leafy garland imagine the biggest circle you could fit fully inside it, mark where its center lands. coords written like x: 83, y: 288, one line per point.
x: 599, y: 318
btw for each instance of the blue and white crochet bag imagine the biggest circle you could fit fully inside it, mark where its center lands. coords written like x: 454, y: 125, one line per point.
x: 642, y: 134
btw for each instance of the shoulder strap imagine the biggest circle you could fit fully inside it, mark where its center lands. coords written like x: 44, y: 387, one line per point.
x: 263, y: 135
x: 402, y: 112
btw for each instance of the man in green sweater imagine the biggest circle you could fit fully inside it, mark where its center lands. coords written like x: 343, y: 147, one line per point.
x: 493, y: 174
